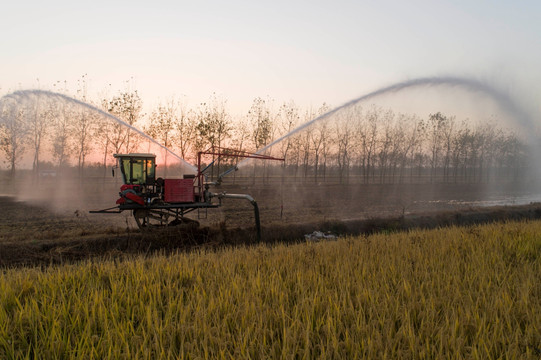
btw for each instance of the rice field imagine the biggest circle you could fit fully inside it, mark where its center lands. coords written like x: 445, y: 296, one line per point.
x: 458, y: 292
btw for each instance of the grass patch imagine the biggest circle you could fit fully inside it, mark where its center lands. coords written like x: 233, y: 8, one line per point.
x: 455, y: 292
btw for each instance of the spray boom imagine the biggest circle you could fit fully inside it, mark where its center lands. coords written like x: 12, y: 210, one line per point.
x: 220, y: 152
x: 227, y: 172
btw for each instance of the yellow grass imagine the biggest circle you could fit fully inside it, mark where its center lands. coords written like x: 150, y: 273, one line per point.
x: 470, y: 292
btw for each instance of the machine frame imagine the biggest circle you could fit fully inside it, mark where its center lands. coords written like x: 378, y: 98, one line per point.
x: 146, y: 196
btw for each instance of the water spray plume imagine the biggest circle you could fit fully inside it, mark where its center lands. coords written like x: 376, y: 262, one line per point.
x: 25, y: 94
x: 502, y: 99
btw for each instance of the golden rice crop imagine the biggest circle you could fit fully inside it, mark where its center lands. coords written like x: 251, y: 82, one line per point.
x: 472, y: 292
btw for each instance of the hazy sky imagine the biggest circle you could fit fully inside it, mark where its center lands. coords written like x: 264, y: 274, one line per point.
x: 307, y: 51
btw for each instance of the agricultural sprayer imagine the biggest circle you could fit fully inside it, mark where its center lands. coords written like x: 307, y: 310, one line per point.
x: 159, y: 203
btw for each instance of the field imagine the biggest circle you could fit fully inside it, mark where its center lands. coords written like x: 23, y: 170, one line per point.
x: 31, y: 234
x: 470, y: 292
x: 77, y: 286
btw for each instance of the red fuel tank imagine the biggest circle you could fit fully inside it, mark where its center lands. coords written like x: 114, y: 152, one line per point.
x: 178, y: 190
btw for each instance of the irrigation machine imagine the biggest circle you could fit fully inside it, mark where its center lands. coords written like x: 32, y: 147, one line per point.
x: 160, y: 203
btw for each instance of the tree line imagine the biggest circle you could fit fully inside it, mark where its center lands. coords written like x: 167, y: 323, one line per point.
x: 357, y: 144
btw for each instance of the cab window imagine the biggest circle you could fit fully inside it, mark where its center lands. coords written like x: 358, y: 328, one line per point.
x: 126, y: 170
x: 151, y: 170
x: 138, y: 172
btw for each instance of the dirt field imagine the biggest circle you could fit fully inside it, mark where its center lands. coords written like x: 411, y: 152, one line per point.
x: 36, y: 233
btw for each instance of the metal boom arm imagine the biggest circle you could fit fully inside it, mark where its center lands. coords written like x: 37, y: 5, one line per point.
x: 224, y: 152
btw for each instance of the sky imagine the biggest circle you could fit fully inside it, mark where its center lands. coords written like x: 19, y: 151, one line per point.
x: 306, y: 51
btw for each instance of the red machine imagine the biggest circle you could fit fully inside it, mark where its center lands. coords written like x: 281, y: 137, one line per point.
x: 157, y: 202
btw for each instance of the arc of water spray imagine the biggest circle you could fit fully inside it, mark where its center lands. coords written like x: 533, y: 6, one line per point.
x: 504, y: 100
x: 27, y: 93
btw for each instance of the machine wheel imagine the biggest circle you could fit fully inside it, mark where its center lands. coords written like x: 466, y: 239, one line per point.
x: 150, y: 218
x: 155, y: 218
x: 185, y: 223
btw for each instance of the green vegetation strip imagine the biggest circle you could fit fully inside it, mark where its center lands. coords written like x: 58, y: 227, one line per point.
x: 470, y: 292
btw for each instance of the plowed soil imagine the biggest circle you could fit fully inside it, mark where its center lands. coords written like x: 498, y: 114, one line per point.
x: 33, y: 235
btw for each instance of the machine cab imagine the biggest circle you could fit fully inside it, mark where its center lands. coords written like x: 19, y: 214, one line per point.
x: 137, y: 169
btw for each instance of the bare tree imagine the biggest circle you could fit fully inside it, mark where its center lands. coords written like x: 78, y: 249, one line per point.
x: 411, y: 127
x: 513, y: 156
x: 185, y: 128
x: 384, y: 144
x: 317, y: 137
x: 38, y: 126
x: 213, y: 125
x: 419, y: 156
x: 83, y: 129
x: 344, y: 132
x: 485, y: 134
x: 305, y: 138
x: 287, y: 120
x: 13, y: 132
x: 305, y: 146
x: 259, y: 117
x: 240, y: 134
x: 62, y: 142
x: 83, y: 124
x: 162, y: 123
x: 448, y: 132
x: 457, y: 150
x: 436, y: 124
x: 367, y: 132
x: 101, y: 135
x: 126, y: 106
x: 240, y: 138
x: 325, y: 148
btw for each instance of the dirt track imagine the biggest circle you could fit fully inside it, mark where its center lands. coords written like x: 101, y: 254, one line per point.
x: 31, y: 235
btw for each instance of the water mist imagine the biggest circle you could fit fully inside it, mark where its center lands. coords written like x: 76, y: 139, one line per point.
x: 19, y: 96
x: 506, y: 102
